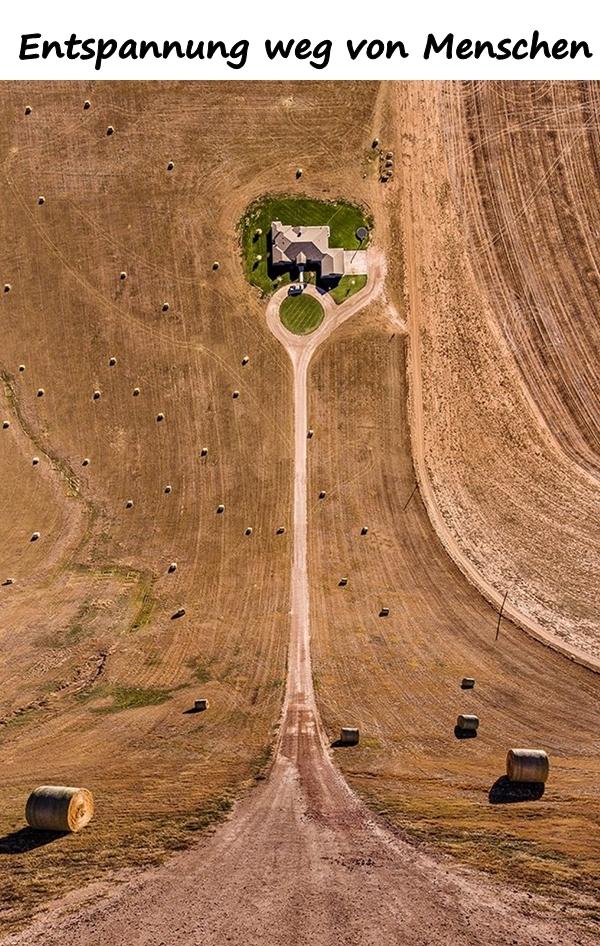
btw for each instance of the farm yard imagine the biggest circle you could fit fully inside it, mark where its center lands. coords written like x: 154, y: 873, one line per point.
x: 234, y: 526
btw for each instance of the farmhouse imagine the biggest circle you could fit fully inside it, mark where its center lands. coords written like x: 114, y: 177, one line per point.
x: 309, y: 247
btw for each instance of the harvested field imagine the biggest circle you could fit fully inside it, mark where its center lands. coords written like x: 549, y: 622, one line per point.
x: 195, y: 520
x: 99, y: 677
x: 502, y: 486
x: 399, y: 680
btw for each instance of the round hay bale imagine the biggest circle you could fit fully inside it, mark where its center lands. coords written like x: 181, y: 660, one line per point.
x: 322, y: 494
x: 110, y: 130
x: 159, y: 417
x: 165, y: 307
x: 527, y: 765
x: 97, y: 395
x: 112, y: 361
x: 87, y: 104
x: 5, y: 424
x: 343, y: 582
x: 216, y: 265
x: 7, y: 287
x: 28, y: 109
x: 220, y: 508
x: 59, y: 808
x: 172, y: 568
x: 123, y: 275
x: 248, y: 530
x: 85, y: 461
x: 34, y: 536
x: 35, y: 461
x: 364, y: 530
x: 41, y: 200
x: 40, y: 392
x: 204, y: 452
x: 349, y: 736
x: 384, y: 612
x: 280, y: 530
x: 299, y: 173
x: 170, y: 166
x: 136, y: 392
x: 245, y: 360
x: 310, y: 433
x: 467, y: 683
x: 8, y: 581
x: 201, y: 705
x: 235, y: 395
x: 129, y: 504
x: 179, y: 613
x: 466, y: 722
x: 168, y: 489
x: 21, y: 368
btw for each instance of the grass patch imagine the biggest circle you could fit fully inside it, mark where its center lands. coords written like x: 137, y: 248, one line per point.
x: 342, y: 218
x: 346, y: 287
x: 124, y: 697
x: 301, y: 314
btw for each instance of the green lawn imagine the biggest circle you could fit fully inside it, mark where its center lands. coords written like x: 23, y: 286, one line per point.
x: 342, y: 218
x: 301, y: 314
x: 346, y: 287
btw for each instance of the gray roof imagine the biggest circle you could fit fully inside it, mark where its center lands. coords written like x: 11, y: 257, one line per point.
x: 300, y: 245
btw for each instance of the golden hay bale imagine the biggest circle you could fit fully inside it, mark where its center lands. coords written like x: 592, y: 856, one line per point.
x: 7, y: 287
x: 170, y: 166
x: 59, y: 808
x: 322, y: 494
x: 248, y: 531
x: 527, y: 765
x: 87, y: 104
x: 467, y: 722
x: 172, y: 568
x: 5, y: 424
x: 201, y: 705
x: 112, y: 361
x: 245, y: 360
x: 35, y: 461
x: 467, y: 683
x: 28, y: 109
x: 110, y: 130
x: 343, y: 582
x: 364, y: 530
x: 349, y: 736
x: 41, y: 200
x: 204, y: 452
x: 21, y: 367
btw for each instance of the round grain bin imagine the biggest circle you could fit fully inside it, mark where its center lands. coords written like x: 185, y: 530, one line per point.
x: 349, y: 736
x: 59, y: 808
x: 527, y: 765
x: 467, y: 723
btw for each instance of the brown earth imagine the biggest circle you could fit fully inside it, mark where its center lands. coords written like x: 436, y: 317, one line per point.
x: 89, y: 614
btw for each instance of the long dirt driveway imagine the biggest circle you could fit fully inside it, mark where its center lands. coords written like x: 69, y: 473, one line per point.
x: 301, y: 861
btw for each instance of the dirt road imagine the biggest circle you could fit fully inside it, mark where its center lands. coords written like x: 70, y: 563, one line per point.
x: 301, y: 860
